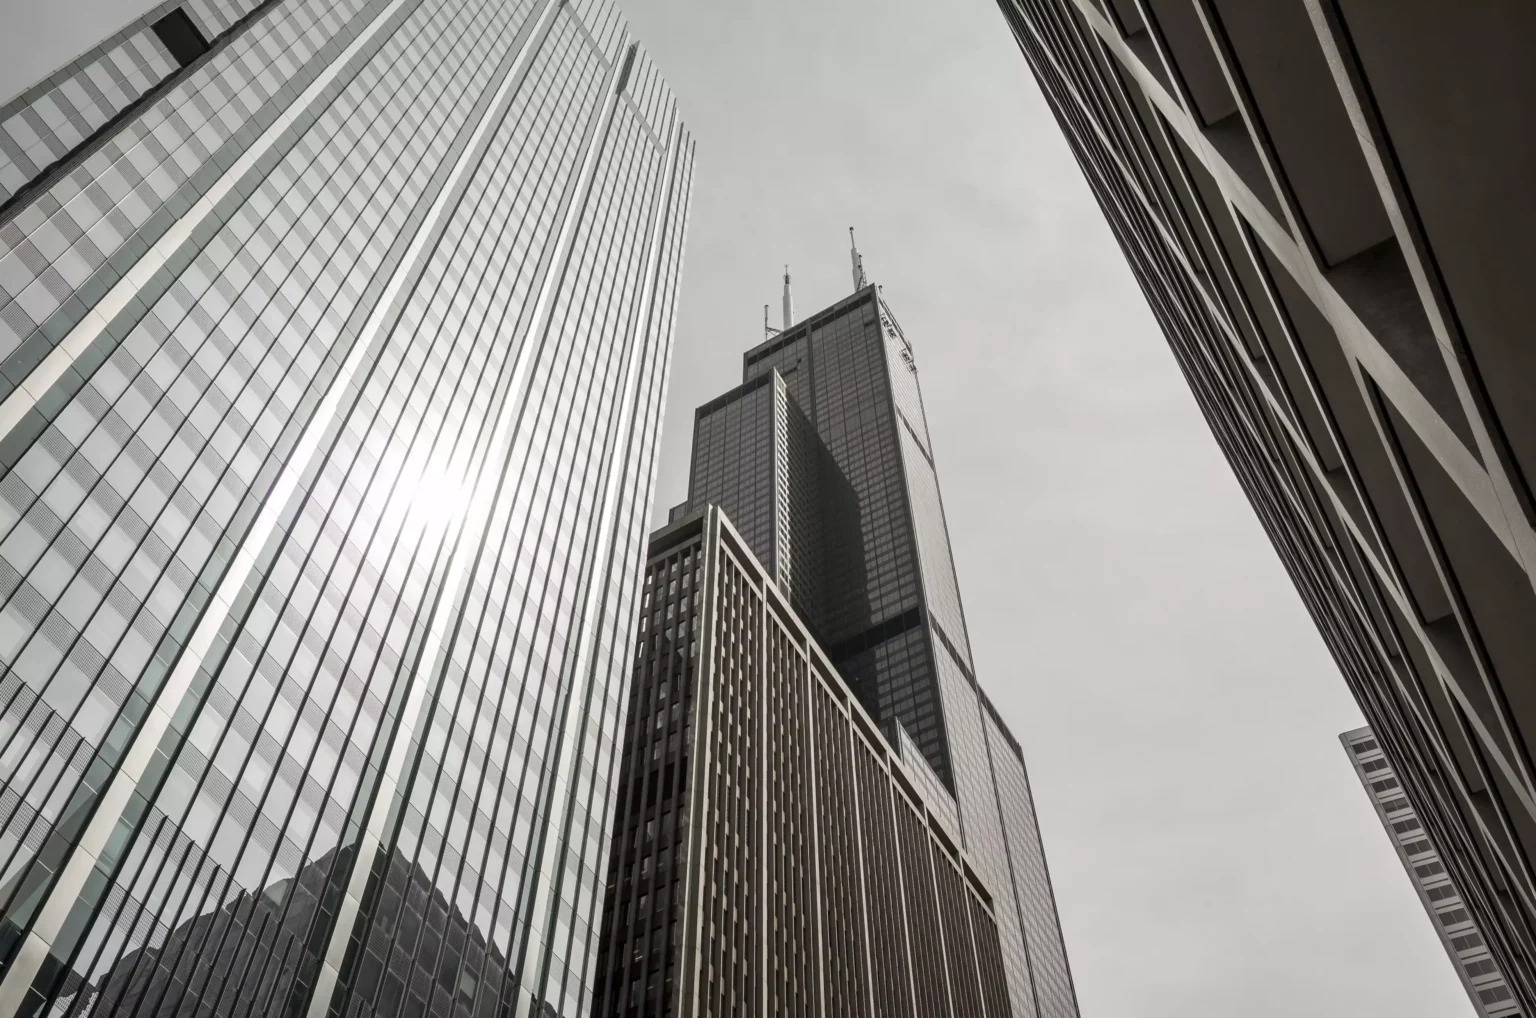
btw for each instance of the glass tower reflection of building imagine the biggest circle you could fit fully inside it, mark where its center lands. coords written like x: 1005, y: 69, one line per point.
x: 333, y: 339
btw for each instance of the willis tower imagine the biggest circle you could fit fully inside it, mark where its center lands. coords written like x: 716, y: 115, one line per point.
x: 821, y: 463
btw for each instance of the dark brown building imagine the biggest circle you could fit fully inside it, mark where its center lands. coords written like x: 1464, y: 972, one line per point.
x: 772, y: 852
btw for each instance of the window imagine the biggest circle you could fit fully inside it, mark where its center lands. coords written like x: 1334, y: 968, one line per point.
x: 1374, y: 765
x: 1365, y: 747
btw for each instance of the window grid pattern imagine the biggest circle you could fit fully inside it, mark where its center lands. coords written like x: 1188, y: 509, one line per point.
x: 959, y: 951
x: 820, y: 524
x: 981, y: 803
x: 149, y: 474
x: 989, y: 960
x: 215, y: 17
x: 1047, y: 954
x: 643, y: 907
x: 194, y: 756
x: 791, y: 809
x: 557, y: 453
x: 890, y: 962
x: 735, y: 466
x: 757, y: 456
x: 67, y: 246
x: 834, y: 367
x: 479, y: 743
x: 215, y: 890
x: 856, y: 373
x: 46, y: 122
x: 1463, y: 940
x: 845, y: 975
x: 793, y: 948
x: 601, y: 750
x: 930, y: 975
x: 727, y: 894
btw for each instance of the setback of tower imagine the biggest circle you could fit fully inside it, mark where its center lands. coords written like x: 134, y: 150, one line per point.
x: 886, y: 607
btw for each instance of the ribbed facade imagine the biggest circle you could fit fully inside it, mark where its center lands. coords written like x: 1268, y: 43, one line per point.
x: 1468, y: 951
x: 772, y: 854
x: 335, y: 350
x: 1327, y: 205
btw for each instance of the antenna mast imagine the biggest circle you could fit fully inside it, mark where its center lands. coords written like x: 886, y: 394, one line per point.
x: 789, y: 304
x: 859, y: 280
x: 768, y: 331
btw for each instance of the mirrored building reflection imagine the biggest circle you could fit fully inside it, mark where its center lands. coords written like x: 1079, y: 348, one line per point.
x: 333, y: 338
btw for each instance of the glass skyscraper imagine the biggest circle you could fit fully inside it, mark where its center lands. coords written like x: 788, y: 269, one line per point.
x: 823, y: 451
x: 334, y: 336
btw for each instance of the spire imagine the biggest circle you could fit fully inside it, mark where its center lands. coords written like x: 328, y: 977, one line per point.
x: 859, y: 281
x: 789, y: 303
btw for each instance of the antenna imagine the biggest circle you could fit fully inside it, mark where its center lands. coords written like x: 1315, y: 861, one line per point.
x: 859, y: 280
x: 768, y: 331
x: 789, y: 303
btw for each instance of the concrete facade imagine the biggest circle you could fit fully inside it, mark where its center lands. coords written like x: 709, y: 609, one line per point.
x: 1464, y: 943
x: 1327, y: 204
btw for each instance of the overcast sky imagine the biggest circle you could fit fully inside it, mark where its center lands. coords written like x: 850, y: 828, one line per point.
x: 1212, y: 851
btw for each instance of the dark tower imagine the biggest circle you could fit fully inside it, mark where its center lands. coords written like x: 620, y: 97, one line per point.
x: 821, y: 457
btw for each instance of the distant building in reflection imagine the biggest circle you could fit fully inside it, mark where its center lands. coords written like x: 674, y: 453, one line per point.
x: 218, y: 955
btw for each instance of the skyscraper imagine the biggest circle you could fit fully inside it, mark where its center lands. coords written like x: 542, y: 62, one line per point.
x: 773, y: 853
x: 1486, y: 987
x: 822, y: 455
x: 334, y: 340
x: 1327, y: 206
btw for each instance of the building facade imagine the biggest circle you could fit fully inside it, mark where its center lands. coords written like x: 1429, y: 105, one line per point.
x: 773, y: 852
x: 1486, y: 986
x: 755, y: 448
x: 1334, y: 241
x: 334, y: 340
x: 824, y: 447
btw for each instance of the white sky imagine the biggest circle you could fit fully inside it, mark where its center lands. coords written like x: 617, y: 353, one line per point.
x: 1212, y: 852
